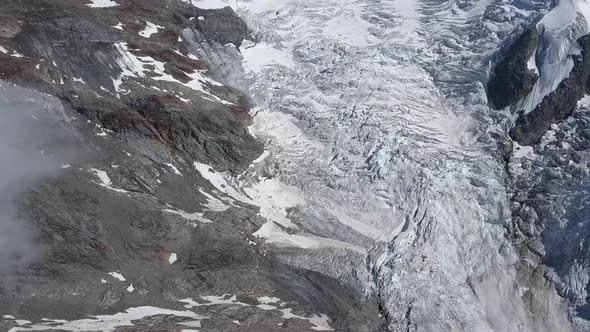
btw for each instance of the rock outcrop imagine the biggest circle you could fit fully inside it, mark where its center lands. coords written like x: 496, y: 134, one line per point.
x: 559, y: 104
x: 513, y: 78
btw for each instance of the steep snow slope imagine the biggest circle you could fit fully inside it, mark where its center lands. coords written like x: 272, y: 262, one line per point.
x: 376, y: 111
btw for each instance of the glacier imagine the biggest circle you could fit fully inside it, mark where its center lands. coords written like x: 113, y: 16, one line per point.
x: 377, y: 112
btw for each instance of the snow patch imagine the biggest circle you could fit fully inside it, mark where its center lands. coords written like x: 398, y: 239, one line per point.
x: 102, y: 3
x: 173, y: 168
x: 532, y: 63
x: 268, y: 299
x: 107, y: 323
x: 195, y: 216
x: 209, y: 4
x: 261, y: 157
x: 105, y: 180
x: 320, y: 322
x: 272, y: 196
x: 520, y: 151
x: 213, y: 300
x: 136, y: 66
x: 172, y: 258
x: 117, y: 276
x: 150, y: 29
x: 278, y: 237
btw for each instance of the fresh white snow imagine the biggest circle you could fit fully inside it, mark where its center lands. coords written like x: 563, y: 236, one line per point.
x: 117, y: 276
x: 102, y: 3
x: 172, y: 258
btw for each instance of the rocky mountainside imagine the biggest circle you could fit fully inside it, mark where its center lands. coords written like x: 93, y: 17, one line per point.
x: 216, y: 165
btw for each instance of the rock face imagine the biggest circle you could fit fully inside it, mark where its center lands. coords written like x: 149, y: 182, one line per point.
x: 558, y: 105
x: 514, y: 76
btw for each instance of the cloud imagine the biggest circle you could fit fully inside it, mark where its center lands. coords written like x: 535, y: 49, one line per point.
x: 26, y: 125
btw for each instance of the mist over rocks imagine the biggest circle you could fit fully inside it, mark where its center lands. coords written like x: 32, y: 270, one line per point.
x: 24, y: 134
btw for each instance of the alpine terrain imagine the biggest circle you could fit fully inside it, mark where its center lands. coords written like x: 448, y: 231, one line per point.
x: 295, y: 165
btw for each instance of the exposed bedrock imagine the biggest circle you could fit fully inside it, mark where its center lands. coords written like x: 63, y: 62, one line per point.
x: 558, y: 105
x: 513, y: 77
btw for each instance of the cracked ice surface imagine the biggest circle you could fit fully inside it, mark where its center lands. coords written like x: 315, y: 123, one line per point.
x: 376, y: 111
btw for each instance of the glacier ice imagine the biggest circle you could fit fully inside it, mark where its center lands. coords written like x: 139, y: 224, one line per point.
x: 376, y: 112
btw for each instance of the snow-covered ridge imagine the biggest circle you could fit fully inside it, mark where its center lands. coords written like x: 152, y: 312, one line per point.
x: 561, y: 28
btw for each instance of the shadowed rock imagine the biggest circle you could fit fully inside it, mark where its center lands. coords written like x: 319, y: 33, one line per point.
x: 513, y: 79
